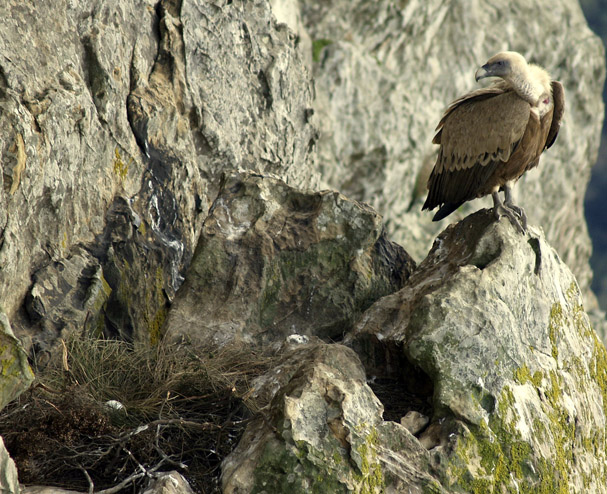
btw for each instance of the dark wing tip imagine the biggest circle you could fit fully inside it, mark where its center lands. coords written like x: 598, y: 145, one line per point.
x: 558, y: 96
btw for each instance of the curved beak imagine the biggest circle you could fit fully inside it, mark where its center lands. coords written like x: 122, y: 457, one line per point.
x: 482, y: 72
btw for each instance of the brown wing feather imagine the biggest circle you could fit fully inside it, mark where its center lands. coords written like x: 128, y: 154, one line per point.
x: 477, y: 95
x: 477, y: 134
x: 480, y: 131
x: 558, y: 97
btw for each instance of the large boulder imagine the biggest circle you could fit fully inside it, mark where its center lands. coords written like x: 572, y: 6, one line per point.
x: 273, y: 260
x: 496, y: 320
x: 324, y: 433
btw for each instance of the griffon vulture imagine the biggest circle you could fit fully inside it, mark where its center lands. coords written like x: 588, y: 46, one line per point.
x: 490, y: 137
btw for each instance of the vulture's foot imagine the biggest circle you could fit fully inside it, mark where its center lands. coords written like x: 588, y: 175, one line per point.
x: 512, y: 212
x: 520, y: 212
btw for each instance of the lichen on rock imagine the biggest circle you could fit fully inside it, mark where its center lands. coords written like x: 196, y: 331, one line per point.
x: 324, y: 432
x: 15, y: 372
x: 499, y: 327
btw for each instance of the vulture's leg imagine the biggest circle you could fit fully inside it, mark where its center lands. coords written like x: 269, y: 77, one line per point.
x: 499, y: 210
x: 510, y: 205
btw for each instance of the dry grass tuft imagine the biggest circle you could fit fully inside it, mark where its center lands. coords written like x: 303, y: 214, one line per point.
x: 183, y: 410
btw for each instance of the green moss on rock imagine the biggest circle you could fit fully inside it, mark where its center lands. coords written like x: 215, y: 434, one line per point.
x: 494, y: 457
x: 151, y: 303
x: 287, y: 468
x: 317, y: 46
x: 555, y: 325
x: 598, y: 368
x: 371, y: 478
x: 297, y: 467
x: 523, y: 375
x: 15, y: 372
x: 121, y: 169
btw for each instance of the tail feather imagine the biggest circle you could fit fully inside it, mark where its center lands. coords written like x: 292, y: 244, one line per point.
x: 446, y: 209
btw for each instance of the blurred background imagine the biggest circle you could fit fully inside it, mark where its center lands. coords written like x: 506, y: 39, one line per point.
x: 596, y: 196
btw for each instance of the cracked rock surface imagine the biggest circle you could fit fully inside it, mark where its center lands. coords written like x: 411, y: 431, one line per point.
x: 117, y: 121
x: 274, y: 261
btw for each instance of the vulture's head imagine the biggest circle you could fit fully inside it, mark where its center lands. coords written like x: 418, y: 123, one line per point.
x: 505, y: 64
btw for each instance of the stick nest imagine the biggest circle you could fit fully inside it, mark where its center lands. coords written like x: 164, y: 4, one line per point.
x: 106, y: 416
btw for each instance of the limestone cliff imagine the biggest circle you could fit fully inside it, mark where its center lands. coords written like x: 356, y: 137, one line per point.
x: 386, y: 72
x: 117, y: 122
x: 163, y: 166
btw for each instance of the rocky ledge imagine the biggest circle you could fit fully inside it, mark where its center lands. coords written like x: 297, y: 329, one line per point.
x: 476, y: 371
x: 488, y: 339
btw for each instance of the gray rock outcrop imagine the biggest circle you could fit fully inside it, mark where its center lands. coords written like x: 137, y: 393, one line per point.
x: 113, y: 146
x: 43, y: 489
x: 495, y: 321
x: 15, y: 377
x: 324, y: 433
x: 274, y: 261
x: 169, y: 483
x: 122, y: 127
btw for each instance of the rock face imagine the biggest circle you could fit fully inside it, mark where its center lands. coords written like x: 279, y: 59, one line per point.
x: 494, y: 320
x: 273, y: 261
x: 112, y: 148
x: 16, y: 374
x: 40, y: 489
x: 387, y: 70
x: 9, y: 484
x: 119, y: 120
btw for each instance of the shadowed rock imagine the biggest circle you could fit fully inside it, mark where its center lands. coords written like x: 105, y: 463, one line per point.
x: 273, y: 261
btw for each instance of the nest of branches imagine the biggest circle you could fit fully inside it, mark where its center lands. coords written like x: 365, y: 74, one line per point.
x: 107, y: 416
